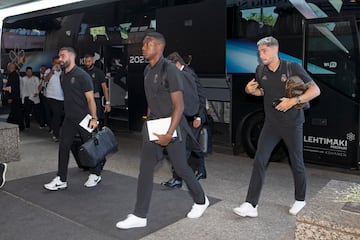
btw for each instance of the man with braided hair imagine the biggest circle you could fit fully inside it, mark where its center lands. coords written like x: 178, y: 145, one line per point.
x: 283, y: 121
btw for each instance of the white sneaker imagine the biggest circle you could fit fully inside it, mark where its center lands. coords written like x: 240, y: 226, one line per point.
x: 55, y: 184
x: 198, y: 209
x: 92, y: 181
x: 3, y: 168
x: 246, y: 210
x: 132, y: 221
x: 296, y: 207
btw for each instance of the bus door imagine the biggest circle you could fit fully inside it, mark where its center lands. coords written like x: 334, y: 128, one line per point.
x: 126, y: 84
x: 331, y: 56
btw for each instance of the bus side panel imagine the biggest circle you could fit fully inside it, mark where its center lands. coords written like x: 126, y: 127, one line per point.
x: 241, y: 104
x: 190, y: 30
x: 135, y: 81
x: 331, y: 130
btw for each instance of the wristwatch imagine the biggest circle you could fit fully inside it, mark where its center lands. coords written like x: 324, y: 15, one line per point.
x: 107, y: 103
x: 298, y: 100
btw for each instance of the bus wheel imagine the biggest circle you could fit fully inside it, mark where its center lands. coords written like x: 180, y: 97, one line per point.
x: 251, y: 132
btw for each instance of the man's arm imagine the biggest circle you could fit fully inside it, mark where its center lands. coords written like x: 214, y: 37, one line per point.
x: 92, y: 108
x: 49, y: 74
x: 252, y: 87
x: 312, y: 92
x: 106, y: 95
x: 178, y: 109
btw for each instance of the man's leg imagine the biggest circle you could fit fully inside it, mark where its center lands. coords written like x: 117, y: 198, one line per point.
x: 268, y: 139
x: 198, y: 161
x: 151, y: 153
x: 68, y: 132
x: 177, y: 155
x: 293, y: 139
x: 27, y: 111
x: 57, y: 109
x: 266, y: 143
x: 95, y: 172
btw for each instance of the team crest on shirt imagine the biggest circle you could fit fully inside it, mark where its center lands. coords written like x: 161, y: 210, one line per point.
x: 283, y: 77
x: 72, y: 80
x: 264, y: 77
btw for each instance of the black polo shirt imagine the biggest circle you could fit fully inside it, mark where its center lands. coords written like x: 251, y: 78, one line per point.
x: 157, y: 90
x: 74, y: 84
x: 273, y: 84
x: 98, y: 78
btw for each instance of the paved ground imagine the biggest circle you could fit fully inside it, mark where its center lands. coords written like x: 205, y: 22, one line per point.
x: 228, y: 178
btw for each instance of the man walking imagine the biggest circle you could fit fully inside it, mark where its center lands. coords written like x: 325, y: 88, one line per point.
x: 194, y: 152
x: 100, y: 88
x: 12, y: 93
x: 30, y: 96
x: 282, y: 121
x: 78, y: 102
x: 55, y: 97
x: 165, y: 99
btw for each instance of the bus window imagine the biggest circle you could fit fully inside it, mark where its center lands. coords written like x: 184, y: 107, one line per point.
x: 330, y: 56
x: 259, y: 20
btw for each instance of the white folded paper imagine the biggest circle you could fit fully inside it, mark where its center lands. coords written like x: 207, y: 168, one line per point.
x: 85, y: 123
x: 159, y: 126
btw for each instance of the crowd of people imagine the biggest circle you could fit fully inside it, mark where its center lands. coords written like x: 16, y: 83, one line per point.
x: 72, y: 92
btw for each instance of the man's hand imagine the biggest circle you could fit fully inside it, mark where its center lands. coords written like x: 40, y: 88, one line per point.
x: 164, y: 140
x: 197, y: 122
x: 252, y: 87
x: 107, y: 108
x: 286, y: 104
x: 93, y: 123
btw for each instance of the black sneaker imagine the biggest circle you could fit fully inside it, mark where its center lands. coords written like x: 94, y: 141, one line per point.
x: 173, y: 183
x: 3, y: 168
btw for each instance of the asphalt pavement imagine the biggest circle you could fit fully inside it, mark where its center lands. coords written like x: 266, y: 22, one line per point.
x: 228, y: 178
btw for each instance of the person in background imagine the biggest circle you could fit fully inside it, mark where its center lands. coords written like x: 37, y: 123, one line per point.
x: 55, y: 97
x: 30, y: 96
x: 163, y: 101
x: 12, y: 93
x: 282, y: 122
x: 100, y: 88
x: 44, y: 109
x: 1, y: 88
x: 78, y: 103
x: 194, y: 152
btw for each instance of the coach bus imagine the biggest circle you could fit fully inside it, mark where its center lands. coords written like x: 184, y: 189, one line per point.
x: 219, y: 37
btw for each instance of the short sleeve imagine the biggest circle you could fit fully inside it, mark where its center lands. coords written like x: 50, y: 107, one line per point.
x: 298, y: 70
x: 174, y: 78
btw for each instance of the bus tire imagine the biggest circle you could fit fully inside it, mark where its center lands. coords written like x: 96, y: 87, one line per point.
x: 251, y: 132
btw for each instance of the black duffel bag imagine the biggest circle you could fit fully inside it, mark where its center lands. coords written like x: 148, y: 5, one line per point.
x: 94, y: 150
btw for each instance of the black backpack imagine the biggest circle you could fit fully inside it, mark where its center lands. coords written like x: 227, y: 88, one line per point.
x: 191, y: 97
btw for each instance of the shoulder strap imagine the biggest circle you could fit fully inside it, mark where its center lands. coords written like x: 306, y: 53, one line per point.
x: 288, y: 69
x: 259, y: 73
x: 163, y: 73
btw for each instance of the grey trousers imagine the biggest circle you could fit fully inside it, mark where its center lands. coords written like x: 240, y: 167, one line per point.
x: 151, y: 154
x: 269, y: 137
